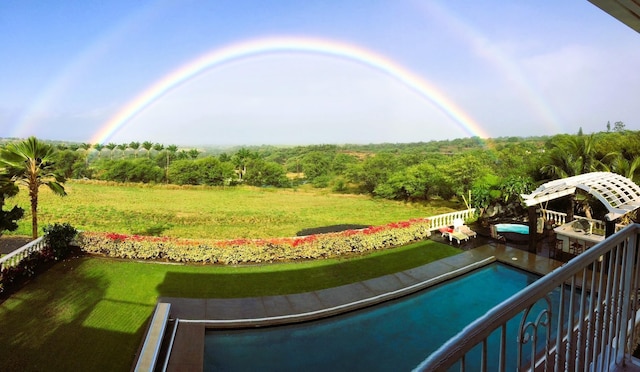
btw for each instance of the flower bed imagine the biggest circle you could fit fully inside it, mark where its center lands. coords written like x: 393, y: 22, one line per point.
x: 255, y: 250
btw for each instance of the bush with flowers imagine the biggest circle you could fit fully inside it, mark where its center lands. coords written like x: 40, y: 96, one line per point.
x: 255, y: 250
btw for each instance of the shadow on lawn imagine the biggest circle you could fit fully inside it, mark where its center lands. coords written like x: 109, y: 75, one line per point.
x: 68, y: 327
x: 253, y: 283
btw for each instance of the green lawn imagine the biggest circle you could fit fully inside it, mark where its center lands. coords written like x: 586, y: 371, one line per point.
x: 89, y: 314
x: 218, y: 213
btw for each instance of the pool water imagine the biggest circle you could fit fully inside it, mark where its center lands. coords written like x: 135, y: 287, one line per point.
x: 397, y: 335
x: 512, y: 227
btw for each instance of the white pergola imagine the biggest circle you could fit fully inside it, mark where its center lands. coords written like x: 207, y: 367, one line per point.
x: 619, y: 194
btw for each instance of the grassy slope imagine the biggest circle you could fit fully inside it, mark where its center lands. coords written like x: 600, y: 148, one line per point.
x: 212, y: 212
x: 89, y: 313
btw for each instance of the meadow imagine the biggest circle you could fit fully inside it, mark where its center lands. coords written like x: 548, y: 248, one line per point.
x: 212, y: 212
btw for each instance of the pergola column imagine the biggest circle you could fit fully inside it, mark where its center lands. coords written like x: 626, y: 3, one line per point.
x: 609, y: 228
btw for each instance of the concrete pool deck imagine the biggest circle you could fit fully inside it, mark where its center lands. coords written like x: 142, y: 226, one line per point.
x: 196, y: 315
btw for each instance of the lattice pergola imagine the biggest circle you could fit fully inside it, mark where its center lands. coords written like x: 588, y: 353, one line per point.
x: 619, y: 194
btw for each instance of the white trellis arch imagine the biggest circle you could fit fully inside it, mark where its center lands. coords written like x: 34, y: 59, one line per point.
x: 619, y: 194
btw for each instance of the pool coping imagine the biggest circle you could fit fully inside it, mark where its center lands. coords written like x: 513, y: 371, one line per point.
x: 193, y: 316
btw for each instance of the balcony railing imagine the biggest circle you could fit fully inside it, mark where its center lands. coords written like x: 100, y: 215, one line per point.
x: 442, y: 220
x: 582, y: 316
x: 14, y: 258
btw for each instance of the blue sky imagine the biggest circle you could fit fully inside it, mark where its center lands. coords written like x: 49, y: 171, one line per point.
x: 521, y: 68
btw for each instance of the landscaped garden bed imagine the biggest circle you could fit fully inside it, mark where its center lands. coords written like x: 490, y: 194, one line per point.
x: 237, y: 251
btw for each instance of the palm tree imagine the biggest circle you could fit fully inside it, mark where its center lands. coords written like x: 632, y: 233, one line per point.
x: 98, y: 147
x: 147, y: 146
x: 29, y: 162
x: 123, y: 148
x: 171, y: 153
x: 571, y: 156
x: 111, y: 146
x: 193, y: 153
x: 135, y: 146
x: 625, y: 167
x: 158, y: 147
x: 86, y: 147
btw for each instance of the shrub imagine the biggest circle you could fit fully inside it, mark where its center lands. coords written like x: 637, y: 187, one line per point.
x: 256, y: 250
x: 59, y: 237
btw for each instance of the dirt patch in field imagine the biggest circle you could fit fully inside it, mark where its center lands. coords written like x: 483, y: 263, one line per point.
x: 330, y: 229
x: 9, y: 244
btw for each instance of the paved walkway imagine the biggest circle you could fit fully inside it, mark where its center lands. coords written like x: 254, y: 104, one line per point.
x: 196, y: 314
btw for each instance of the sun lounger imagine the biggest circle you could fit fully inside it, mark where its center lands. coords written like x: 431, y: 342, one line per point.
x: 457, y: 235
x: 467, y: 231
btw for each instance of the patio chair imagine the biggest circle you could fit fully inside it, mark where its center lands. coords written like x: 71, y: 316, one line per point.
x: 458, y: 236
x: 467, y: 231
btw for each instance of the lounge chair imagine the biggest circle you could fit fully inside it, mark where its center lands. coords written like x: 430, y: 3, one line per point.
x: 467, y: 231
x: 459, y: 236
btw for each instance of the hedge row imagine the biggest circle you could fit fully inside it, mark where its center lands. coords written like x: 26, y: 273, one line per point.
x: 255, y: 250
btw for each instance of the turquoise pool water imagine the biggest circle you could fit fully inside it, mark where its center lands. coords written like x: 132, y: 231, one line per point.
x: 394, y: 336
x: 512, y: 227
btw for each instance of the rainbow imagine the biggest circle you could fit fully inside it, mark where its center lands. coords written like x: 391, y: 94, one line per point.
x: 255, y: 47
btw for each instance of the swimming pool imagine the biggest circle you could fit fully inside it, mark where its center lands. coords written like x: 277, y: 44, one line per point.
x: 512, y: 227
x: 395, y: 336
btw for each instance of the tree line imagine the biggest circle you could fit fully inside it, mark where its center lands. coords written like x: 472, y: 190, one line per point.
x: 476, y: 171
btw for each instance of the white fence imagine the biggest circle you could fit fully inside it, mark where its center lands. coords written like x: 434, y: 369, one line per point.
x: 581, y: 317
x: 558, y: 218
x: 14, y: 258
x: 442, y: 220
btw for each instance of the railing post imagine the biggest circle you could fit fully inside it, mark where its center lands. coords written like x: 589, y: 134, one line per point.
x: 627, y: 265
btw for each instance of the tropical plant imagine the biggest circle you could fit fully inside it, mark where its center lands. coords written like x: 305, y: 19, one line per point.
x: 625, y: 167
x: 571, y: 156
x: 30, y: 162
x: 59, y: 237
x: 8, y: 219
x: 122, y: 147
x: 135, y: 146
x: 98, y: 147
x: 147, y: 146
x: 86, y: 147
x: 193, y: 153
x: 111, y: 146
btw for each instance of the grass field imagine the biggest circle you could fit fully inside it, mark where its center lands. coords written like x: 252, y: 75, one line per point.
x: 89, y: 314
x: 219, y: 213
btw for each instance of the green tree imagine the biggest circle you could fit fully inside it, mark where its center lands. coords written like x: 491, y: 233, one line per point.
x: 265, y: 173
x: 193, y: 153
x: 98, y: 147
x: 8, y: 219
x: 373, y: 171
x: 573, y: 155
x: 111, y: 146
x: 147, y: 146
x: 618, y: 126
x: 123, y: 147
x: 30, y: 162
x: 135, y: 146
x: 316, y: 164
x: 158, y: 147
x: 625, y: 167
x: 86, y: 147
x: 240, y: 159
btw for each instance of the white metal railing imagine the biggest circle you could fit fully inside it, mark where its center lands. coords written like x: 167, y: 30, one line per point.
x: 442, y: 220
x: 582, y: 316
x: 14, y: 258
